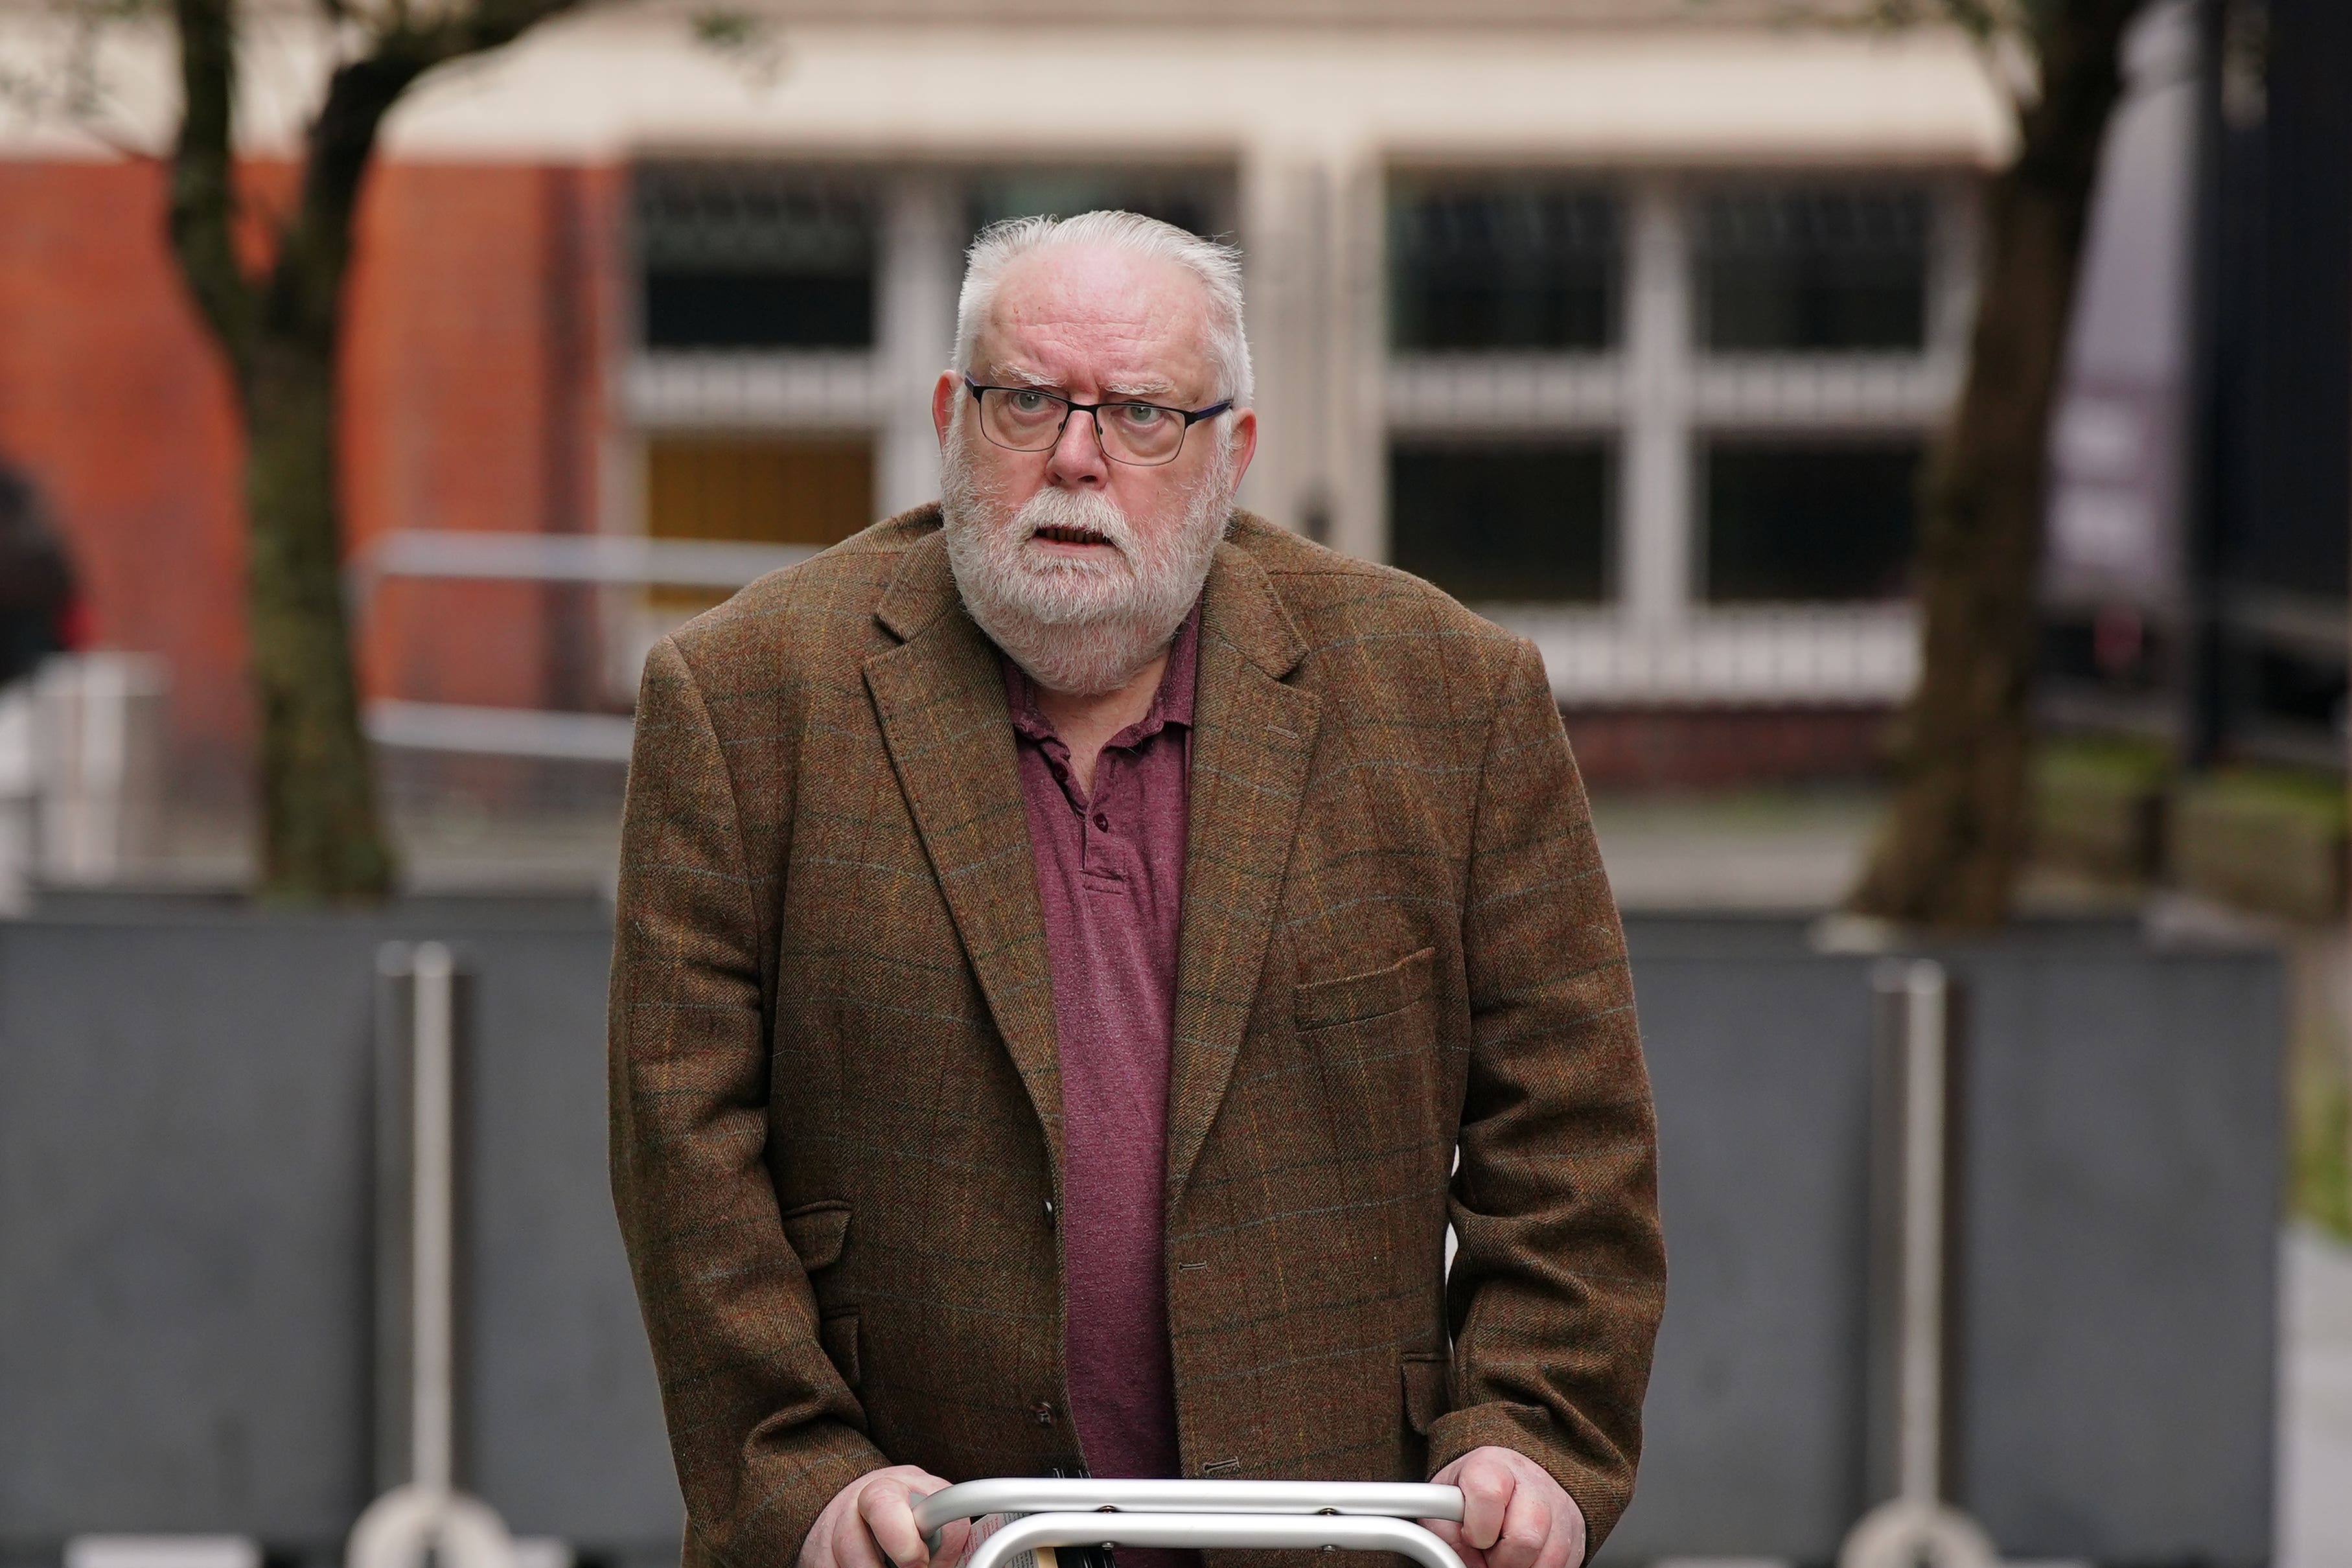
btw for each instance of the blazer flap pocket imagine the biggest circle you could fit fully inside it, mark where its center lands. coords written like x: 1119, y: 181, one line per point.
x: 1352, y: 998
x: 838, y: 1335
x: 1424, y: 1390
x: 816, y: 1232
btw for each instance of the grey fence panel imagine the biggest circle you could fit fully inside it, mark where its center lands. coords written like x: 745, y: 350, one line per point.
x: 184, y: 1256
x: 183, y: 1137
x: 1758, y: 1058
x: 564, y: 1431
x: 2120, y: 1347
x: 2116, y: 1337
x: 184, y: 1251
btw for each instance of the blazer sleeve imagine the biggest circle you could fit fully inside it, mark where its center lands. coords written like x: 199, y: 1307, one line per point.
x: 763, y: 1429
x: 1559, y: 1278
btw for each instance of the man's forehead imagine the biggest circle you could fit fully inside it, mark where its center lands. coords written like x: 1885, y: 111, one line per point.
x: 1125, y: 320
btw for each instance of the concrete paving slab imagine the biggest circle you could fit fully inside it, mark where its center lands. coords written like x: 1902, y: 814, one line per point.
x: 2315, y: 1404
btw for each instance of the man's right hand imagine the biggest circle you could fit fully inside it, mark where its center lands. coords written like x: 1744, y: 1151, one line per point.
x: 870, y: 1523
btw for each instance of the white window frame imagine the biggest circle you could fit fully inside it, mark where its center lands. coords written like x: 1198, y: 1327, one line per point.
x: 1657, y: 641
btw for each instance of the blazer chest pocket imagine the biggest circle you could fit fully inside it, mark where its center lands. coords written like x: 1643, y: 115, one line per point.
x: 1372, y: 1041
x: 1360, y: 998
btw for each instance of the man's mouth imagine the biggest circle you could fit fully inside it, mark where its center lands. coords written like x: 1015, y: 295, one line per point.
x: 1065, y: 535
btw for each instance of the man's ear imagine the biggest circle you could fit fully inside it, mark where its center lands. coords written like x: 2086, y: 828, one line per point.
x: 944, y: 393
x: 1245, y: 443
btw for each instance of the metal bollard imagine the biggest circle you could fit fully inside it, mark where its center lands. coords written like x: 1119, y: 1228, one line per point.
x: 421, y: 1516
x: 1913, y: 1147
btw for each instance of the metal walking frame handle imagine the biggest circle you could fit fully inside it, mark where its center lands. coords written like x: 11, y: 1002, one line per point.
x: 1358, y: 1516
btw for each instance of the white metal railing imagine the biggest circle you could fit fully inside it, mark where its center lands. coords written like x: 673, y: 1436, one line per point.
x: 595, y: 560
x: 620, y: 560
x: 470, y: 730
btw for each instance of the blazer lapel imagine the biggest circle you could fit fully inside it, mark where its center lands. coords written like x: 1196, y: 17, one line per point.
x: 940, y: 698
x: 1253, y: 738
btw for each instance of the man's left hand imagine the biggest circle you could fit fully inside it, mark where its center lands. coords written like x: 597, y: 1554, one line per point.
x: 1513, y: 1515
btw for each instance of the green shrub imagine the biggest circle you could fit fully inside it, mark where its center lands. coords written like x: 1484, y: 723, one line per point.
x: 2323, y: 1154
x: 2099, y: 805
x: 2265, y: 839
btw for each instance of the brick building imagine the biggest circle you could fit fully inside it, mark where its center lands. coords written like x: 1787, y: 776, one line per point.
x: 1625, y: 320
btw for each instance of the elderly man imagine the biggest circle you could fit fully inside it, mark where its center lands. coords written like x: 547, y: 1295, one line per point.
x: 1065, y: 935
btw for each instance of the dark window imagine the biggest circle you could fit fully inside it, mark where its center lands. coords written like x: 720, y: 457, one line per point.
x: 2301, y: 687
x: 1808, y: 520
x: 1502, y: 521
x: 2115, y: 649
x: 746, y: 257
x: 1529, y: 264
x: 1812, y: 270
x: 1188, y: 201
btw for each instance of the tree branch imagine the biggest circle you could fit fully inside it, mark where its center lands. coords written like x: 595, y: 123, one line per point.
x: 202, y: 180
x: 317, y: 252
x: 71, y: 91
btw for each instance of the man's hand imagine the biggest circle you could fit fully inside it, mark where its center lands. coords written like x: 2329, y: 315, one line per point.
x: 1513, y: 1515
x: 877, y: 1511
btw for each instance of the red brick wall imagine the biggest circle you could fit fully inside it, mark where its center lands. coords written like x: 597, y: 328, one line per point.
x: 480, y: 330
x: 1714, y: 747
x: 480, y: 322
x: 110, y: 397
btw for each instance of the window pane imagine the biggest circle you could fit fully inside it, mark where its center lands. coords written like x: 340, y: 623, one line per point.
x: 1526, y: 264
x: 741, y: 256
x: 1812, y: 270
x: 1188, y: 201
x: 1815, y: 520
x: 1502, y: 521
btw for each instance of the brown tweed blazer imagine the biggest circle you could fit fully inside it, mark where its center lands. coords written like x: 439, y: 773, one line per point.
x: 835, y: 1110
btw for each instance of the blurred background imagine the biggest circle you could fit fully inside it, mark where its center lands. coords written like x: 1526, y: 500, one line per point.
x: 1632, y: 323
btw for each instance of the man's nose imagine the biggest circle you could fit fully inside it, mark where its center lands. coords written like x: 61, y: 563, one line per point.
x: 1078, y: 460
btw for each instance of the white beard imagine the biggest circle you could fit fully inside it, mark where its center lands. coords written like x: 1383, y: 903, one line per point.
x: 1079, y: 626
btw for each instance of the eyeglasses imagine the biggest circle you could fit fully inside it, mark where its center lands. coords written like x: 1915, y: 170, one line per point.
x: 1031, y: 419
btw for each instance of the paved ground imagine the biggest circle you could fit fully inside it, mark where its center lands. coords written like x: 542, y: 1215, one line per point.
x: 2315, y: 1399
x: 1760, y: 851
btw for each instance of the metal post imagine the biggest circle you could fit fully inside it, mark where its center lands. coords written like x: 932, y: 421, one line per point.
x: 2203, y: 698
x: 1914, y: 1119
x: 432, y: 1228
x: 421, y: 1516
x: 1919, y: 1424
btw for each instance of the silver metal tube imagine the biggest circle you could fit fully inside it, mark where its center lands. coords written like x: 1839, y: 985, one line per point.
x: 1013, y: 1494
x: 1352, y: 1533
x: 1919, y: 1424
x: 432, y: 1267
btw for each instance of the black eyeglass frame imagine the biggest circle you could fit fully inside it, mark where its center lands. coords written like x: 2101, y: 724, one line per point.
x: 1070, y: 405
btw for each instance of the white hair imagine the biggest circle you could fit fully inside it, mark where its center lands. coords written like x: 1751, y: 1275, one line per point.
x: 1218, y: 267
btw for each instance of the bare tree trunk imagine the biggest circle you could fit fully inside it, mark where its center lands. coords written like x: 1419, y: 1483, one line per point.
x: 321, y: 834
x: 1950, y: 851
x: 322, y: 837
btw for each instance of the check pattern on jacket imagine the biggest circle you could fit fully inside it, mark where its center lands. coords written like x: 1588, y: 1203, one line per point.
x: 835, y: 1124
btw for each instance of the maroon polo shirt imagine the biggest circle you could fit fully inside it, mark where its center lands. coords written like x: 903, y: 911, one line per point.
x: 1110, y: 875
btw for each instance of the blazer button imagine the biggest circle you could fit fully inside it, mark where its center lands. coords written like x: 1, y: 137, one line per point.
x: 1049, y: 1211
x: 1045, y: 1412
